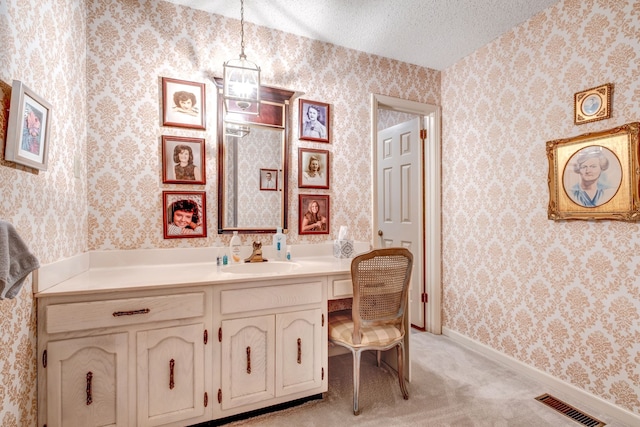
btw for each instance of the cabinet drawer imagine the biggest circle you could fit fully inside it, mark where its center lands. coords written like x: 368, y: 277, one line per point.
x: 245, y: 300
x: 340, y: 288
x: 98, y: 314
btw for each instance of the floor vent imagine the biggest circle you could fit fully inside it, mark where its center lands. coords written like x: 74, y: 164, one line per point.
x: 570, y: 411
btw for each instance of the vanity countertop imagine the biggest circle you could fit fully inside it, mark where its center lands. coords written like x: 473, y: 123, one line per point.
x: 109, y: 276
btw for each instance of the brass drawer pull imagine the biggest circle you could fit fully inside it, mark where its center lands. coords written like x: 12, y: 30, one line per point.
x: 299, y: 351
x: 89, y: 394
x: 130, y: 313
x: 172, y: 365
x: 248, y: 360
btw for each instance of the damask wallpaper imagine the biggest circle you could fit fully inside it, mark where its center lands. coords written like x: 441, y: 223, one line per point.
x: 563, y: 297
x: 560, y: 296
x: 42, y: 44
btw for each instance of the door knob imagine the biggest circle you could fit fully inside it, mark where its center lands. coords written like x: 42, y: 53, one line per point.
x: 379, y: 232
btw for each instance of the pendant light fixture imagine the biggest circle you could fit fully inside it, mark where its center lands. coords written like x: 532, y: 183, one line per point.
x: 241, y: 80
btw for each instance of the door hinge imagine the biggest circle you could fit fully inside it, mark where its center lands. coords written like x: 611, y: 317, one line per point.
x: 423, y: 134
x: 220, y: 334
x: 424, y: 298
x: 322, y: 319
x: 206, y: 337
x: 219, y: 395
x: 44, y: 359
x: 322, y: 374
x: 206, y: 399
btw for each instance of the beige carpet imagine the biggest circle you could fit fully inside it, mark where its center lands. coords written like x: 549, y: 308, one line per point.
x: 451, y: 386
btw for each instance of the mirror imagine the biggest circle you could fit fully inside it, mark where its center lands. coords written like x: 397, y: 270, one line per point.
x: 253, y: 159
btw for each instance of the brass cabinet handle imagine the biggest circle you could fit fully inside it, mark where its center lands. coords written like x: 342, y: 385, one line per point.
x: 299, y: 351
x: 89, y: 394
x: 131, y: 313
x: 172, y: 365
x: 248, y: 360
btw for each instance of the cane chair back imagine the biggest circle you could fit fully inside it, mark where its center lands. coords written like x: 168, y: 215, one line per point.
x: 380, y: 280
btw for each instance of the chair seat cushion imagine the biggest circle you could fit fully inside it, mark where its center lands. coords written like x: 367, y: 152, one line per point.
x: 341, y: 330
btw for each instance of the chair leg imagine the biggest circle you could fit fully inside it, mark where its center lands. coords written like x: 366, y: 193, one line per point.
x: 378, y: 357
x: 356, y: 381
x: 403, y: 387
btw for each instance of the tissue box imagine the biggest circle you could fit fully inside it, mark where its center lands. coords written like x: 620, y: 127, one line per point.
x: 343, y: 248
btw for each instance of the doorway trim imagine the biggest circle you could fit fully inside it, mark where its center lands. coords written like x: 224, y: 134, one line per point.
x: 431, y: 202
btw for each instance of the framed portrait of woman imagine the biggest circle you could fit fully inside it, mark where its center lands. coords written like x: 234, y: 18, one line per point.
x: 314, y: 214
x: 183, y: 104
x: 313, y: 168
x: 28, y: 128
x: 314, y: 121
x: 595, y: 175
x: 183, y: 160
x: 184, y: 214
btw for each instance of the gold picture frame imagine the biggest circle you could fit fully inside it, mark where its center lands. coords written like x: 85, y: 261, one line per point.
x: 595, y: 175
x: 592, y: 104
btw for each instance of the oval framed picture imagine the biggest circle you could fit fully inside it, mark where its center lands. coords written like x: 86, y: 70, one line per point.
x: 593, y: 104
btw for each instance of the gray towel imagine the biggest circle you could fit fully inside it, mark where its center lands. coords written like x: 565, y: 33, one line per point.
x: 16, y: 262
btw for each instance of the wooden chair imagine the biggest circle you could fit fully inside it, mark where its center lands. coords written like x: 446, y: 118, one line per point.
x: 380, y: 286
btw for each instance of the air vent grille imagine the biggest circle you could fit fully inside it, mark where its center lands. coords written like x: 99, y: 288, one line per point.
x: 570, y: 411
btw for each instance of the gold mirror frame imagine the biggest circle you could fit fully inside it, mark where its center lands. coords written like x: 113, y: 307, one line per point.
x: 619, y: 189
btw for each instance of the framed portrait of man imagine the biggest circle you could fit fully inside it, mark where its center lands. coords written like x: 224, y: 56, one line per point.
x: 183, y: 104
x: 269, y: 179
x: 184, y: 214
x: 183, y: 160
x: 314, y: 120
x: 595, y: 175
x: 313, y: 168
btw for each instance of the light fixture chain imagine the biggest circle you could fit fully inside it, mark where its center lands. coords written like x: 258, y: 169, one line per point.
x: 242, y: 55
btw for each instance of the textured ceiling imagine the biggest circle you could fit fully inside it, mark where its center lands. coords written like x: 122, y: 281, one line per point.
x: 431, y: 33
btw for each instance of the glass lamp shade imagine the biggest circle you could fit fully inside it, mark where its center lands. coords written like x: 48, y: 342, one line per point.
x: 241, y: 86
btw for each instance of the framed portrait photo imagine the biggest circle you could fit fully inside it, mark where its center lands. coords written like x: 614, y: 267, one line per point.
x: 183, y: 160
x: 593, y: 104
x: 28, y: 128
x: 314, y: 214
x: 269, y: 179
x: 184, y: 214
x: 314, y: 121
x: 313, y: 168
x: 183, y: 104
x: 595, y: 175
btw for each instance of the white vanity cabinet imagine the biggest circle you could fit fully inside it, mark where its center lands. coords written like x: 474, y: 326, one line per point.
x: 272, y: 343
x: 124, y: 359
x: 166, y: 346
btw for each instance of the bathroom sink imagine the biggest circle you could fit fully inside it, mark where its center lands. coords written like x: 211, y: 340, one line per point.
x: 269, y: 267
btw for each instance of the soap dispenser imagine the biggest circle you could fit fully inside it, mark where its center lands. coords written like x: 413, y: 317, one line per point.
x: 234, y: 245
x: 280, y: 244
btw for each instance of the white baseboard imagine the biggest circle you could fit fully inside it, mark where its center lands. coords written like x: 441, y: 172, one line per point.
x: 570, y: 391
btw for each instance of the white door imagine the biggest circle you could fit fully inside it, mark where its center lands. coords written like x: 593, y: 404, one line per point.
x: 399, y: 199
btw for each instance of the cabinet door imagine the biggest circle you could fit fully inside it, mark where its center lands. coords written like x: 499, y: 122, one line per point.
x: 298, y: 351
x: 248, y: 363
x: 170, y: 374
x: 87, y: 381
